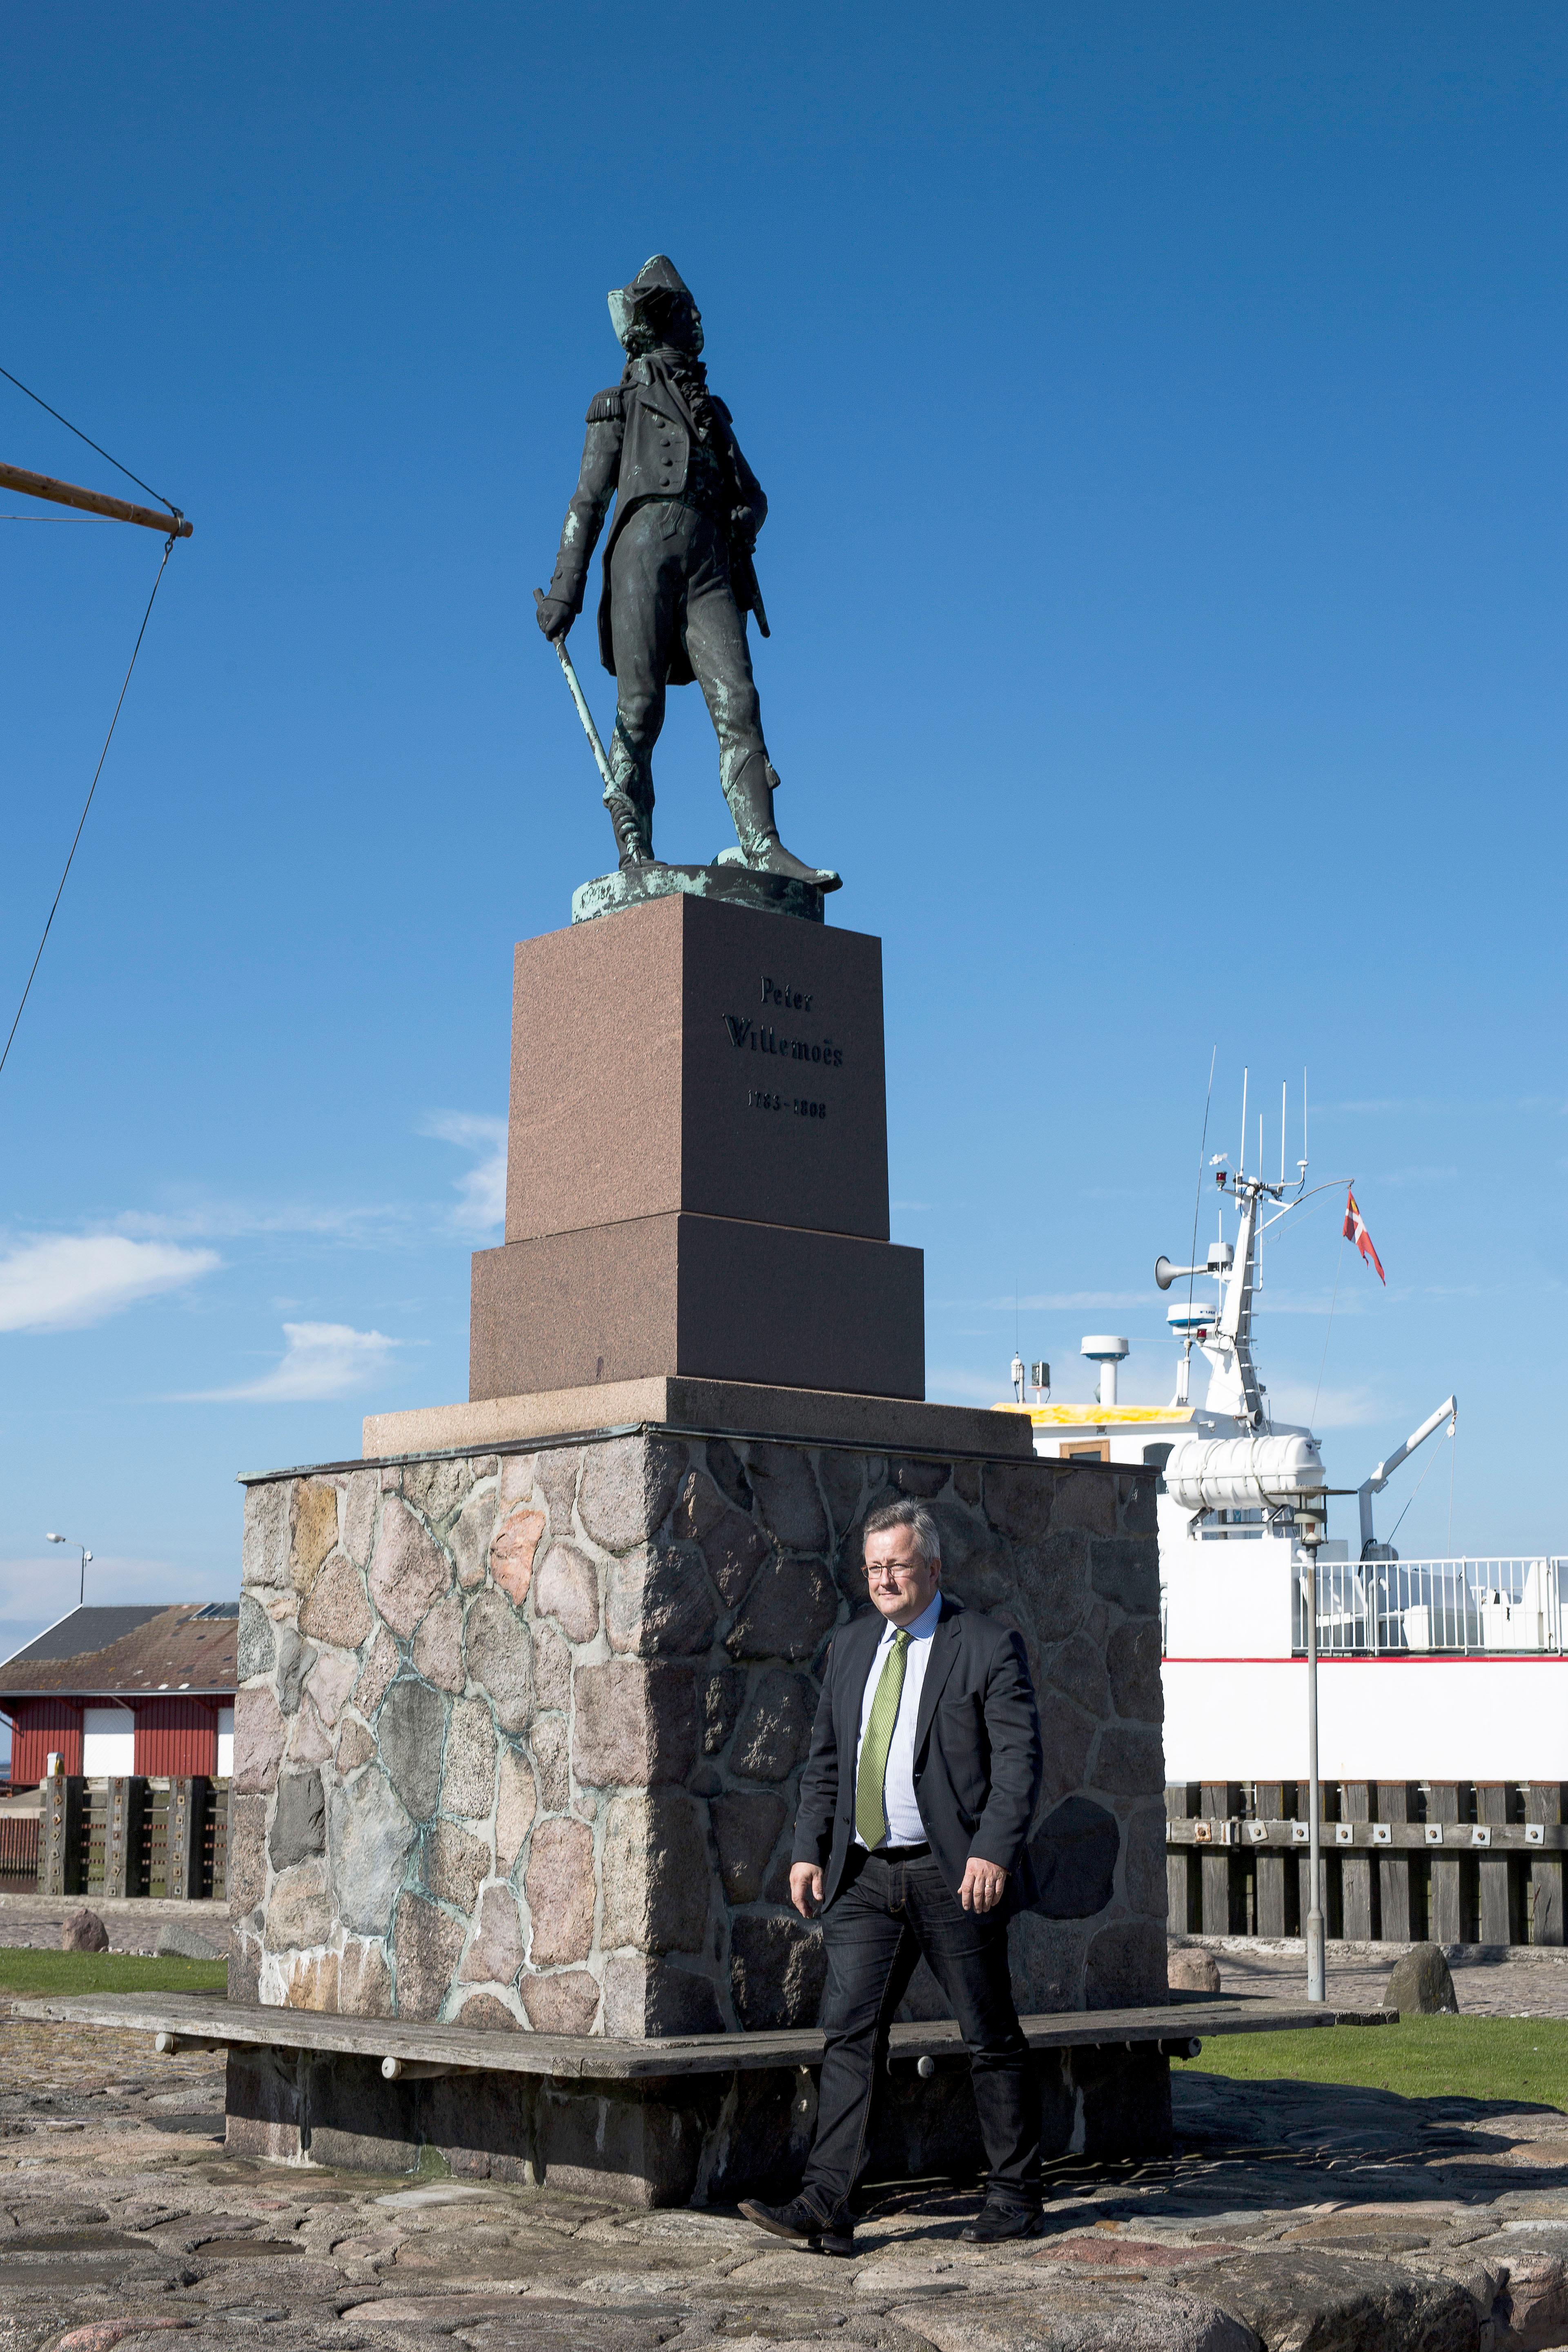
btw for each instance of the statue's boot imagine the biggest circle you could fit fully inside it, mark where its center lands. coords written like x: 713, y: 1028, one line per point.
x: 629, y: 799
x: 749, y: 791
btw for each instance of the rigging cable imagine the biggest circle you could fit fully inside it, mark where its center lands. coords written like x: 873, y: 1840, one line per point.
x: 91, y: 444
x: 168, y: 551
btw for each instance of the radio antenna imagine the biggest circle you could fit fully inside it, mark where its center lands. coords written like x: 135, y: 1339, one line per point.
x: 1242, y: 1169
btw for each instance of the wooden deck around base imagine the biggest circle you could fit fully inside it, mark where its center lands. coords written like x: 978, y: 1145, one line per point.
x: 204, y: 2018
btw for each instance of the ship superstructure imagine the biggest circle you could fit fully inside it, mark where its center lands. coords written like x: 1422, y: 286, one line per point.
x: 1432, y: 1670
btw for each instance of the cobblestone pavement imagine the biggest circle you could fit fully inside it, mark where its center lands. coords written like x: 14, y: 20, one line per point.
x: 1491, y: 1981
x: 1317, y: 2220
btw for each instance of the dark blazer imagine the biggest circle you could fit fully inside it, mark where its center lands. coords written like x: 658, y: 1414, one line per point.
x: 638, y: 446
x: 977, y: 1751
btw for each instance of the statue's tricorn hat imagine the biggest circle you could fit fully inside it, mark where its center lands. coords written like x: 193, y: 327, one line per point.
x: 650, y: 291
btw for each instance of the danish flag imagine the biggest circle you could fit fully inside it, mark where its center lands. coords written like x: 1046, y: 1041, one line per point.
x: 1355, y: 1231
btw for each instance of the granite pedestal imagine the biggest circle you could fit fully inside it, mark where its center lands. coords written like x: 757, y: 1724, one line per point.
x: 697, y: 1170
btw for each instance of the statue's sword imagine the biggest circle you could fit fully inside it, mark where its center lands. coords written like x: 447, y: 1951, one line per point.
x: 583, y: 713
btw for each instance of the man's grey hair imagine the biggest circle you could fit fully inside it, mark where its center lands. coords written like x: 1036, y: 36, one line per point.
x: 917, y: 1520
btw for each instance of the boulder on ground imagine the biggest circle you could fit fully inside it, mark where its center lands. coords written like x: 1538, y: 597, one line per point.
x: 84, y: 1931
x: 177, y: 1943
x: 1189, y: 1969
x: 1421, y: 1985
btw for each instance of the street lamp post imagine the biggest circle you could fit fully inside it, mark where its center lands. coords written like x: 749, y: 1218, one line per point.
x: 86, y: 1556
x: 1312, y: 1529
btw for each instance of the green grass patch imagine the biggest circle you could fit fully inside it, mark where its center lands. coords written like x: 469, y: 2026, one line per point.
x: 28, y: 1973
x: 1519, y: 2058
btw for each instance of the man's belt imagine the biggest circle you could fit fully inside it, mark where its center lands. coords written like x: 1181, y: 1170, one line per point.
x: 903, y: 1853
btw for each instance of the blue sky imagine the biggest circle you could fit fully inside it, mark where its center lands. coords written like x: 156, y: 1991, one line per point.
x: 1161, y: 412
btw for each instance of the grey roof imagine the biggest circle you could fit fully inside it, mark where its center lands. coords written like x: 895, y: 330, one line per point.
x: 83, y: 1631
x: 145, y: 1651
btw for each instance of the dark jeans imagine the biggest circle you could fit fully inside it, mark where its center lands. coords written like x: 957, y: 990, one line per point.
x: 886, y: 1914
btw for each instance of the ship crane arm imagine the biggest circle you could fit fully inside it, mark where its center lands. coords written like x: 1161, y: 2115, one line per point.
x: 1446, y: 1411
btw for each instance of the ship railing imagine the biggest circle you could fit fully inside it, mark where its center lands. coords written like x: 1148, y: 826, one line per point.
x: 1418, y: 1608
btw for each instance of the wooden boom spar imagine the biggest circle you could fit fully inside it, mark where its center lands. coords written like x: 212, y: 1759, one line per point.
x: 70, y: 494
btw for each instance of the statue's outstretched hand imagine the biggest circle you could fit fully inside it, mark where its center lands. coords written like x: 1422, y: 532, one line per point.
x: 554, y: 618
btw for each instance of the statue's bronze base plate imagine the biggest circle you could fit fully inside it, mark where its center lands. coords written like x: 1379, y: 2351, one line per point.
x: 733, y: 886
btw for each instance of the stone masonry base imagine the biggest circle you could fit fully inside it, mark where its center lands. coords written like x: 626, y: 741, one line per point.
x: 702, y: 2139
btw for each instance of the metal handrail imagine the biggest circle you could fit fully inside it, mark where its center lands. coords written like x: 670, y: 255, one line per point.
x: 1418, y: 1608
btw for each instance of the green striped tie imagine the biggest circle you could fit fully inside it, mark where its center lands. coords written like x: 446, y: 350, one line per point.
x: 870, y: 1813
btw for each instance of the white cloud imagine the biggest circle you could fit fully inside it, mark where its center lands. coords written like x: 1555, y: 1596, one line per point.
x: 321, y: 1362
x: 482, y: 1189
x: 64, y: 1281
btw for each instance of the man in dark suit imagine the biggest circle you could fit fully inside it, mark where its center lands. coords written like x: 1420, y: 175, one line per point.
x: 915, y: 1806
x: 679, y: 579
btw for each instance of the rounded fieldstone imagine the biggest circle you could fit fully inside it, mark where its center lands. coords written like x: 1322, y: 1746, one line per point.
x: 84, y: 1931
x: 496, y: 1953
x: 499, y: 1656
x: 559, y: 1889
x: 1129, y: 1762
x: 734, y: 1550
x: 259, y: 1735
x: 483, y: 2013
x: 468, y: 1773
x: 790, y: 1607
x: 1189, y: 1969
x: 264, y: 1552
x: 365, y: 1982
x: 258, y: 1647
x: 745, y: 1830
x: 1422, y: 1984
x: 776, y: 1972
x: 566, y: 1589
x: 517, y: 1803
x: 247, y: 1853
x: 376, y: 1674
x: 1132, y: 1655
x: 567, y: 2003
x: 330, y: 1681
x: 1077, y: 1668
x: 355, y: 1746
x: 656, y: 1871
x: 698, y: 1508
x: 788, y: 1500
x: 456, y: 1864
x: 368, y: 1838
x: 427, y: 1944
x: 409, y: 1731
x: 658, y: 1601
x: 336, y: 1610
x: 470, y: 1536
x: 315, y: 1530
x: 298, y: 1820
x: 408, y: 1568
x: 721, y: 1695
x: 1073, y: 1855
x: 1125, y: 1967
x: 775, y: 1730
x: 299, y: 1908
x: 552, y: 1672
x: 439, y: 1645
x: 361, y: 1498
x: 512, y: 1553
x: 627, y: 1488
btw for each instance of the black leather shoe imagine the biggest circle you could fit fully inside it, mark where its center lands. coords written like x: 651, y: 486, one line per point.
x: 801, y: 2223
x: 995, y: 2222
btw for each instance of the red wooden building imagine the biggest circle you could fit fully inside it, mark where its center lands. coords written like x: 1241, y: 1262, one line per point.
x: 116, y: 1691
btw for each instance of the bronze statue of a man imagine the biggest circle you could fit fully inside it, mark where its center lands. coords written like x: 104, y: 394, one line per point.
x: 678, y: 568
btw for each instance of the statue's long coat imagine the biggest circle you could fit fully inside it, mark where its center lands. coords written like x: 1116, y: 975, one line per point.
x: 638, y: 446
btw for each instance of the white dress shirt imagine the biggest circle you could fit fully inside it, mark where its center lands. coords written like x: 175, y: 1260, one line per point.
x: 905, y: 1826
